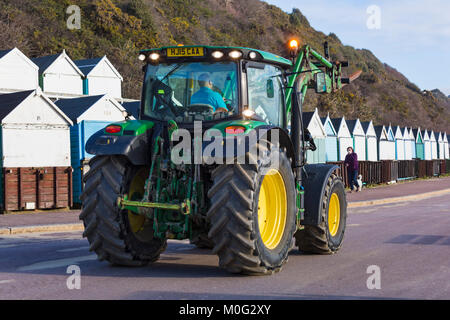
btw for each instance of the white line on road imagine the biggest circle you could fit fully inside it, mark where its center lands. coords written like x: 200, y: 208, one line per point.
x: 57, y: 263
x: 6, y: 281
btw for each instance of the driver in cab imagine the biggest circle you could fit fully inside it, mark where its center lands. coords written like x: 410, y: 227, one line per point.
x: 205, y: 95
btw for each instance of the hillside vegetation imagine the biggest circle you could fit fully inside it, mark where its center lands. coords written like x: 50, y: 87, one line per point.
x: 119, y: 28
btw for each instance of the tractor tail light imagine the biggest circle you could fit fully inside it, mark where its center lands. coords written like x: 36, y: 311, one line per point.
x: 113, y: 129
x: 235, y: 130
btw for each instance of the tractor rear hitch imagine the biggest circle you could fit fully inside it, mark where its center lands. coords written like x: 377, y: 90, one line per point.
x: 124, y: 203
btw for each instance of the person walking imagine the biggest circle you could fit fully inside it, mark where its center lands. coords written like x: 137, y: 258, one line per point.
x: 351, y: 162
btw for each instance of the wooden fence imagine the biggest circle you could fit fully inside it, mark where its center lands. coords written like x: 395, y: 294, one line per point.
x: 36, y: 188
x: 377, y: 172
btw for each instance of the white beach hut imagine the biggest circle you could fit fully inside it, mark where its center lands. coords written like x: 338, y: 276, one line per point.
x: 312, y: 121
x: 35, y: 152
x: 59, y: 76
x: 412, y: 142
x: 407, y: 143
x: 359, y: 138
x: 371, y: 141
x: 446, y: 146
x: 427, y: 145
x: 386, y: 143
x: 441, y: 146
x: 331, y: 144
x: 17, y: 72
x: 344, y: 136
x: 100, y: 77
x: 399, y: 144
x: 434, y: 146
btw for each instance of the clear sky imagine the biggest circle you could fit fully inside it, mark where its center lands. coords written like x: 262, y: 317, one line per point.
x: 413, y: 36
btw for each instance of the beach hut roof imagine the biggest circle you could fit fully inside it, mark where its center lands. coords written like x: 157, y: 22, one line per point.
x: 46, y: 62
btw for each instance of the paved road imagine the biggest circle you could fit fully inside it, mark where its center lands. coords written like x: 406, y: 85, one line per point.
x: 410, y: 243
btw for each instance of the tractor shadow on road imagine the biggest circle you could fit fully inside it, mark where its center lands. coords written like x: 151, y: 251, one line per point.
x: 180, y: 260
x: 158, y: 269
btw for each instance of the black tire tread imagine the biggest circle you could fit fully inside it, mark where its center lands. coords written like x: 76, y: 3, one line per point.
x: 104, y: 225
x: 314, y: 239
x: 232, y: 200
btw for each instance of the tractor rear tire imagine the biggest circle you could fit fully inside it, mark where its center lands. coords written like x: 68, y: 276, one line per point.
x: 107, y: 228
x: 327, y: 237
x: 236, y: 218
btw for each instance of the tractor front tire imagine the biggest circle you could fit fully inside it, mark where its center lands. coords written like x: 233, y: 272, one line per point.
x: 109, y: 230
x: 253, y: 214
x: 327, y: 237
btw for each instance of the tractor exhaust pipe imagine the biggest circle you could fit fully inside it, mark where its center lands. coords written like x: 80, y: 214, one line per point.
x: 326, y: 50
x: 297, y: 131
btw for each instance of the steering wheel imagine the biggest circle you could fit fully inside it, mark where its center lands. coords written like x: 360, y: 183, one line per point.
x: 200, y: 108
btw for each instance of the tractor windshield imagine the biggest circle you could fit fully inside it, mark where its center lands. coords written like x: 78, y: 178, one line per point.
x: 190, y: 91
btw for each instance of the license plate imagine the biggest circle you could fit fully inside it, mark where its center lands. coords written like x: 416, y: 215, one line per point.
x: 185, y: 52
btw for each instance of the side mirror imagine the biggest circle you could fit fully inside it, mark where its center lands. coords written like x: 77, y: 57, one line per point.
x: 321, y: 82
x: 270, y: 89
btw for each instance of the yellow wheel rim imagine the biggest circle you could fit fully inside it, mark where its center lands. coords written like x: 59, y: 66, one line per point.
x: 272, y: 209
x: 334, y: 214
x: 136, y: 192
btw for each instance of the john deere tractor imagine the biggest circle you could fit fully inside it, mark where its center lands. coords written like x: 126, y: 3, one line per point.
x: 217, y: 157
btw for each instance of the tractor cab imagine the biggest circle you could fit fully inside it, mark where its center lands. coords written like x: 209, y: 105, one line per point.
x: 188, y: 84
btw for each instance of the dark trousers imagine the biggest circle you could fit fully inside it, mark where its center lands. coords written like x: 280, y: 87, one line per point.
x: 352, y: 178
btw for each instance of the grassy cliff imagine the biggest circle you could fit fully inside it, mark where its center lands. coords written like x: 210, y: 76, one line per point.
x: 119, y: 28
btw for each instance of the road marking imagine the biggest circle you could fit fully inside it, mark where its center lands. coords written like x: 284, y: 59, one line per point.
x: 73, y: 249
x: 7, y: 281
x: 414, y: 197
x: 57, y: 263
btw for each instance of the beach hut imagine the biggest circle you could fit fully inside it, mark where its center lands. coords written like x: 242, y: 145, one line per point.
x: 331, y: 145
x: 412, y: 142
x: 440, y: 145
x: 386, y: 143
x: 407, y: 144
x: 344, y: 136
x: 434, y: 146
x: 420, y: 146
x: 100, y: 77
x: 427, y: 145
x: 312, y: 121
x: 441, y: 150
x: 371, y: 141
x: 17, y: 72
x: 34, y: 152
x: 89, y: 115
x: 59, y: 76
x: 446, y: 146
x: 399, y: 144
x: 359, y: 138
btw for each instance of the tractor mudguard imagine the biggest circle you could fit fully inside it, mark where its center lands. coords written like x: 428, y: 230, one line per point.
x: 314, y: 180
x: 241, y: 144
x: 135, y: 148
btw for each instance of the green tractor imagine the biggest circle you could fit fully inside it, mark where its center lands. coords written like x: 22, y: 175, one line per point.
x: 218, y: 157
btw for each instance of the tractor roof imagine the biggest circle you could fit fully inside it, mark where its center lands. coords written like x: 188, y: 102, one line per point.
x: 267, y: 56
